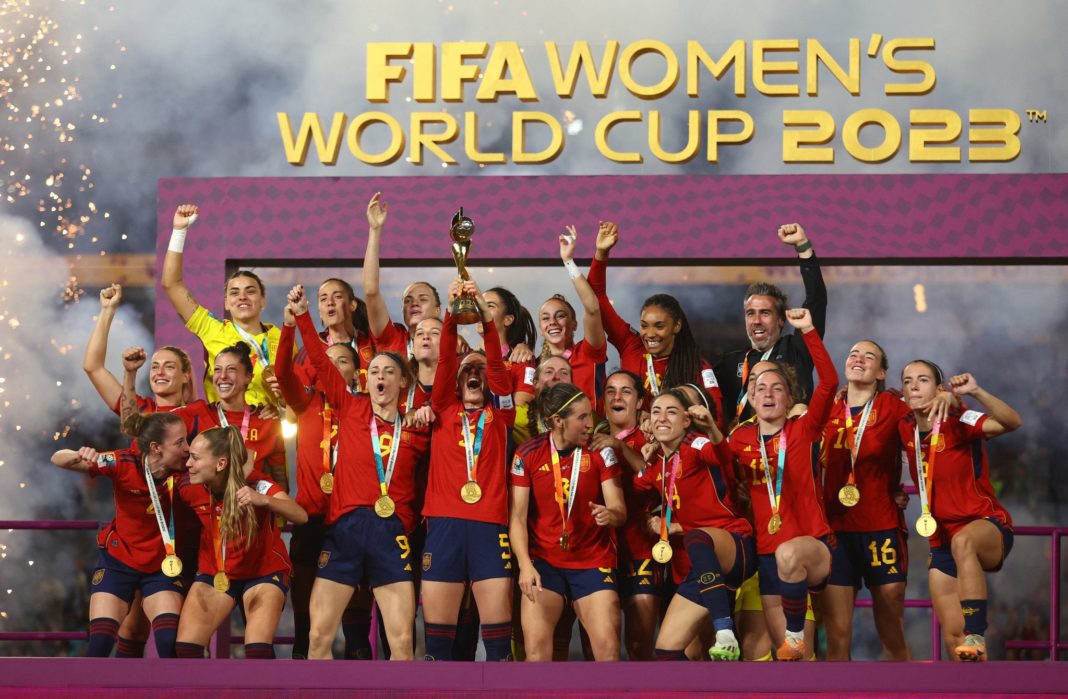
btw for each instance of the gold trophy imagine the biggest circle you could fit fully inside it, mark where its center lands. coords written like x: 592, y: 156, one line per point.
x: 464, y: 309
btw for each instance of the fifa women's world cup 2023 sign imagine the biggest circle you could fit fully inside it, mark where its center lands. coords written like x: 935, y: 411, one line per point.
x: 439, y: 83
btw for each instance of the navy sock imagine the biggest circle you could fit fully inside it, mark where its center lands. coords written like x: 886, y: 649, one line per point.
x: 439, y: 640
x: 165, y: 633
x: 356, y: 625
x: 188, y: 650
x: 662, y: 655
x: 974, y: 611
x: 129, y: 648
x: 794, y: 604
x: 710, y: 583
x: 498, y: 641
x: 466, y: 643
x: 259, y: 651
x: 102, y: 634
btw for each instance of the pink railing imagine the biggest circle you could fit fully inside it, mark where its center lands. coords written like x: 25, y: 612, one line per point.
x: 222, y: 641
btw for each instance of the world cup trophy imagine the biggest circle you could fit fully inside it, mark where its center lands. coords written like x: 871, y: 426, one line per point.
x: 463, y: 309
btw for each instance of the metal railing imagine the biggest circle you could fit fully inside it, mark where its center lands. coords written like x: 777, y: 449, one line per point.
x: 223, y: 639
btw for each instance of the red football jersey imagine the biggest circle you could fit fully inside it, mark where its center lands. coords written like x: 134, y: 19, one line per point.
x: 635, y: 540
x: 878, y: 467
x: 448, y: 460
x: 632, y: 354
x: 309, y: 404
x: 961, y: 490
x: 420, y: 396
x: 585, y: 361
x: 703, y: 490
x: 265, y: 554
x: 590, y: 545
x: 394, y: 338
x: 356, y: 482
x: 522, y: 374
x: 133, y: 537
x: 263, y: 437
x: 801, y: 504
x: 365, y: 352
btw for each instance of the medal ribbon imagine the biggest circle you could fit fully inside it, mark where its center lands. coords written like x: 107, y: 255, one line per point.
x: 329, y: 454
x: 743, y: 395
x: 219, y: 545
x: 244, y: 419
x: 558, y: 482
x: 774, y: 496
x: 667, y: 492
x: 411, y: 397
x: 260, y: 348
x: 926, y: 480
x: 854, y: 447
x: 650, y: 370
x: 166, y: 527
x: 471, y: 451
x: 386, y: 475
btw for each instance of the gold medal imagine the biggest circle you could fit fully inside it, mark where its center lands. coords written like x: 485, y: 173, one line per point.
x: 172, y: 566
x: 471, y: 492
x: 926, y: 524
x: 385, y: 507
x: 565, y: 541
x: 849, y: 495
x: 327, y: 483
x: 221, y: 582
x: 268, y: 372
x: 774, y: 524
x: 662, y: 551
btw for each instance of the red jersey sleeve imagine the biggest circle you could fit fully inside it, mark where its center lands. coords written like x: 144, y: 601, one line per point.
x: 518, y: 475
x: 499, y: 379
x: 619, y: 333
x: 443, y: 392
x: 819, y: 408
x: 393, y: 339
x: 292, y: 392
x: 329, y: 378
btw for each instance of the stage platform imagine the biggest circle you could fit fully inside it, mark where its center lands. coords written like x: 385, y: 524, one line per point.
x: 115, y: 679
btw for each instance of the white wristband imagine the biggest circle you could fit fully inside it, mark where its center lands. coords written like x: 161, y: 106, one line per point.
x: 572, y: 269
x: 177, y: 243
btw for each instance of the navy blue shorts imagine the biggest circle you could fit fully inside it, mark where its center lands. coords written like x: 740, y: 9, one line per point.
x: 575, y: 583
x: 745, y: 564
x: 279, y: 579
x: 941, y: 557
x: 115, y: 577
x: 769, y: 571
x: 642, y: 576
x: 363, y: 546
x: 458, y: 550
x: 869, y: 558
x: 307, y: 542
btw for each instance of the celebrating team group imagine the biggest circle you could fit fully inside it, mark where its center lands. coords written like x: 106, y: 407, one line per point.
x: 679, y: 509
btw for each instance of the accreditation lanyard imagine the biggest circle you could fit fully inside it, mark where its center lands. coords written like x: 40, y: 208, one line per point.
x: 774, y: 496
x: 166, y: 527
x: 854, y: 444
x: 567, y: 500
x: 385, y: 475
x: 329, y: 452
x: 219, y: 544
x: 650, y: 370
x: 667, y: 491
x: 926, y: 480
x: 473, y: 447
x: 743, y: 395
x: 260, y: 348
x: 244, y: 419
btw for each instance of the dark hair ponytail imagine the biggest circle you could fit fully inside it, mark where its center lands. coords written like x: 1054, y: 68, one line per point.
x: 148, y: 428
x: 684, y: 364
x: 557, y: 400
x: 243, y: 353
x: 521, y: 331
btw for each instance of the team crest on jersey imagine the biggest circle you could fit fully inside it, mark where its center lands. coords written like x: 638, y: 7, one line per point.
x: 584, y: 463
x: 427, y: 557
x: 708, y: 578
x: 98, y: 576
x: 324, y: 558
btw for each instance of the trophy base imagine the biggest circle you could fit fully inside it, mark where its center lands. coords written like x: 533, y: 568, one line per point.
x: 465, y: 311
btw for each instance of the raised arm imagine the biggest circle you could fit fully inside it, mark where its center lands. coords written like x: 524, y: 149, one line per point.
x: 70, y: 460
x: 178, y: 293
x: 329, y: 378
x: 592, y: 326
x: 293, y: 393
x: 1001, y: 417
x: 793, y: 234
x: 105, y: 383
x: 377, y: 313
x: 819, y: 407
x: 133, y: 358
x: 497, y: 376
x: 617, y: 330
x: 443, y: 392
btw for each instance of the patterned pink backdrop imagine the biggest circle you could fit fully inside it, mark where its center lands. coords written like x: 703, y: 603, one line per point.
x: 706, y: 219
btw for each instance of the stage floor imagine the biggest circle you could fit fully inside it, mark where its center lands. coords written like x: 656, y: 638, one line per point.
x: 90, y: 677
